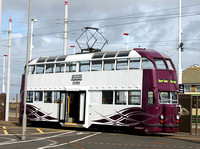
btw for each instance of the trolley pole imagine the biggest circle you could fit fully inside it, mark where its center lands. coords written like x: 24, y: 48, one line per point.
x: 8, y: 71
x: 26, y: 75
x: 179, y: 47
x: 65, y: 28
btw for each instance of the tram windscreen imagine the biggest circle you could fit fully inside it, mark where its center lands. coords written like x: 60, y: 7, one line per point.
x: 167, y: 97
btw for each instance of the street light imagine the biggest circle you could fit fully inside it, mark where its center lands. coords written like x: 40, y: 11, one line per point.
x: 127, y: 37
x: 32, y: 34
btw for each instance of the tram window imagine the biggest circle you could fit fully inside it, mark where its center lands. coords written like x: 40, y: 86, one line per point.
x: 98, y: 55
x: 41, y: 59
x: 134, y: 97
x: 122, y: 64
x: 168, y: 97
x: 110, y: 54
x: 71, y: 67
x: 151, y: 98
x: 120, y: 97
x: 56, y: 97
x: 123, y: 54
x: 109, y: 64
x: 59, y: 68
x: 49, y: 68
x: 29, y: 97
x: 40, y: 69
x: 47, y: 97
x: 160, y: 63
x: 169, y: 65
x: 96, y: 65
x: 84, y: 66
x: 107, y: 97
x: 134, y: 63
x: 31, y: 69
x: 38, y: 95
x: 147, y: 64
x: 61, y: 58
x: 51, y: 59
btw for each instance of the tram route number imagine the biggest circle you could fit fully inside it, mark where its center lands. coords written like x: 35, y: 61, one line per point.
x: 76, y: 79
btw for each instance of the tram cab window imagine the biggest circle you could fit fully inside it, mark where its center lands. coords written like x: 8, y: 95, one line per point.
x: 160, y: 63
x: 29, y: 96
x: 134, y: 63
x: 39, y: 69
x: 169, y: 65
x: 84, y: 66
x: 109, y: 64
x: 38, y: 96
x: 71, y: 67
x: 166, y: 97
x: 60, y: 68
x: 49, y: 68
x: 151, y: 98
x: 107, y: 97
x: 96, y: 65
x: 122, y: 64
x: 120, y: 97
x: 31, y: 69
x: 48, y: 97
x: 147, y: 64
x: 134, y: 97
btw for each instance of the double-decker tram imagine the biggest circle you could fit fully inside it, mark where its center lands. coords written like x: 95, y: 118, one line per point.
x: 136, y: 89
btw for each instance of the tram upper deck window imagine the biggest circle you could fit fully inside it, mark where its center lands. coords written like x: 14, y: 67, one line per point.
x: 71, y: 67
x: 160, y: 63
x: 109, y: 64
x: 61, y: 58
x: 134, y: 97
x: 39, y: 69
x: 169, y: 65
x: 41, y: 59
x: 98, y: 55
x: 96, y: 65
x: 134, y: 63
x: 122, y: 64
x: 51, y: 59
x: 60, y: 68
x: 147, y: 64
x: 110, y: 54
x: 84, y: 66
x: 31, y: 69
x: 38, y: 95
x: 49, y: 68
x: 168, y: 97
x: 123, y: 54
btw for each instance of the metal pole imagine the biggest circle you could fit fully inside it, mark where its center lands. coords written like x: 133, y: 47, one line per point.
x: 65, y: 28
x: 8, y: 71
x: 0, y: 20
x: 26, y: 75
x: 197, y: 107
x: 16, y: 105
x: 179, y: 47
x: 127, y: 38
x: 32, y: 34
x: 4, y: 71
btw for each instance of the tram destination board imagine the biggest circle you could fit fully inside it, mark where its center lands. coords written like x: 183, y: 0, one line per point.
x: 181, y: 88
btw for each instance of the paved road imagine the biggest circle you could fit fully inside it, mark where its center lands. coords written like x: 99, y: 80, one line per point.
x: 42, y: 138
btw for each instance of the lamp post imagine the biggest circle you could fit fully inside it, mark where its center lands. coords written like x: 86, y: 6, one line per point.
x: 32, y: 34
x: 127, y: 38
x: 4, y: 71
x: 179, y: 47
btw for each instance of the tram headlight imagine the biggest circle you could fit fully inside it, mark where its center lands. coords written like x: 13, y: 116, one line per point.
x: 178, y: 117
x: 162, y: 117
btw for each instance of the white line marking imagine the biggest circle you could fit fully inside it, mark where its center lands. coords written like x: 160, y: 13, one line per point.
x: 70, y: 141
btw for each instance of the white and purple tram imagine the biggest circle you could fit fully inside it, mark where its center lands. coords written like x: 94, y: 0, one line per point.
x: 136, y: 89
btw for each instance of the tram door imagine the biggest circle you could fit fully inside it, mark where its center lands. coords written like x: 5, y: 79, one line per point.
x: 62, y: 107
x: 76, y: 107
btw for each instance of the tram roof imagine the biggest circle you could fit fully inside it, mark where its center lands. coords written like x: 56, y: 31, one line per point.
x: 98, y: 55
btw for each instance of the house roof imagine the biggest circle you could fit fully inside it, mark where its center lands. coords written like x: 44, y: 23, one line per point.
x: 191, y: 75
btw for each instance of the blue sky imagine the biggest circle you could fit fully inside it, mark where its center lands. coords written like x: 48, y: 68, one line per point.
x: 151, y: 24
